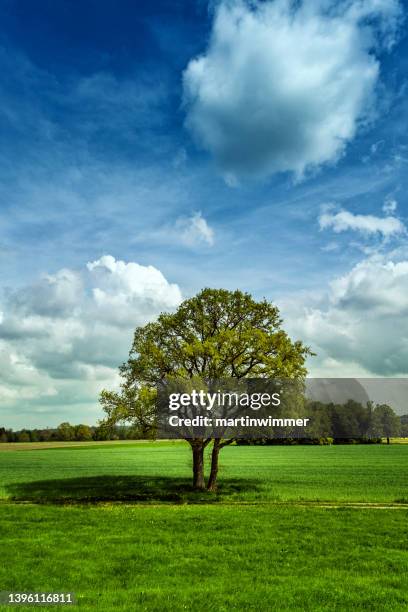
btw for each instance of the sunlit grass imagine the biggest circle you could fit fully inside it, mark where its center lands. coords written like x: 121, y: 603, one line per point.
x: 120, y: 557
x: 162, y: 472
x: 119, y: 525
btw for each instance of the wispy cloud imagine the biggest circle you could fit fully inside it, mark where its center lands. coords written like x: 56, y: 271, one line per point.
x: 195, y: 230
x: 366, y: 224
x: 390, y: 205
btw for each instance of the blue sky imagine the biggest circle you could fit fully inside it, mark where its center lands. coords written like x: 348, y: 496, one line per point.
x: 148, y: 151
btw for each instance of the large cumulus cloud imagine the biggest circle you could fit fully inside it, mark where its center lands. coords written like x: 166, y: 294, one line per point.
x: 284, y: 85
x: 361, y: 329
x: 62, y: 338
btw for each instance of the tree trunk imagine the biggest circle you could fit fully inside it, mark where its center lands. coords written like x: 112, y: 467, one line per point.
x: 212, y: 481
x: 198, y: 465
x: 388, y: 440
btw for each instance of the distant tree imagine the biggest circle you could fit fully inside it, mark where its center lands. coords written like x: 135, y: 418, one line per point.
x: 83, y: 433
x: 66, y: 432
x: 321, y: 421
x: 23, y: 436
x: 216, y: 334
x: 102, y: 433
x: 385, y: 422
x: 34, y: 435
x: 350, y: 420
x: 45, y: 434
x: 404, y: 426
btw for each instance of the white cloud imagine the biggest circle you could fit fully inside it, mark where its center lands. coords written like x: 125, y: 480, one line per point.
x: 330, y: 247
x: 390, y: 205
x: 123, y: 292
x: 283, y: 86
x: 63, y: 338
x: 362, y: 327
x: 367, y: 224
x: 194, y: 230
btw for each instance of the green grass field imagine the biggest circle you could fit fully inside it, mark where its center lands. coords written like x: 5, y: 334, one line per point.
x: 291, y: 528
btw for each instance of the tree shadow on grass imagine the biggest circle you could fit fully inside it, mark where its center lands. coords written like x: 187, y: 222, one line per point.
x: 109, y: 488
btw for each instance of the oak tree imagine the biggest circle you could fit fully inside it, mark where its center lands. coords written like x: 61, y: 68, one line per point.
x: 217, y: 334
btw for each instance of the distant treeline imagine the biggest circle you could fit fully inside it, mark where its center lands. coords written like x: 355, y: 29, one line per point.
x: 346, y: 423
x: 354, y: 420
x: 65, y: 432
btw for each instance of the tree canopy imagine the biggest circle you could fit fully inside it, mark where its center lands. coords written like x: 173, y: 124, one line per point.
x: 215, y: 334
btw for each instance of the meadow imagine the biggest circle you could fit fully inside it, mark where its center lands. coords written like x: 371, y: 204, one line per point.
x: 290, y: 528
